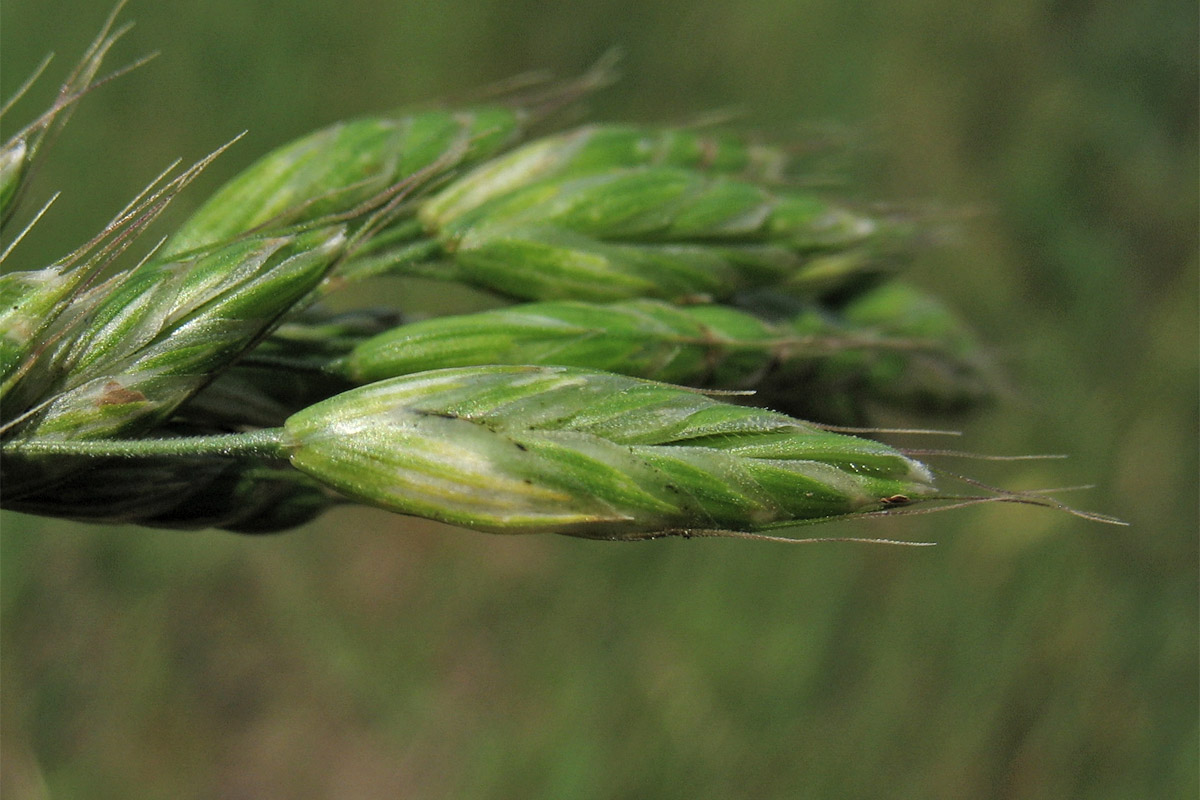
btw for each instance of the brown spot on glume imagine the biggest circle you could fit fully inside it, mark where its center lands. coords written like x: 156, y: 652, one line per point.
x: 114, y: 394
x: 896, y: 500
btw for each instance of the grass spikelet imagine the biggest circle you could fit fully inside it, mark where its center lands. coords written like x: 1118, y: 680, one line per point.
x: 34, y: 302
x: 598, y: 149
x: 706, y: 346
x: 167, y: 328
x: 340, y: 167
x: 523, y: 449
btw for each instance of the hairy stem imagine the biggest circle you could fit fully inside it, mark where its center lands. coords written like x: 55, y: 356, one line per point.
x: 267, y: 443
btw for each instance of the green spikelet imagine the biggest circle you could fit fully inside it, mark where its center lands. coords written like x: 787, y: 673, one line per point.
x: 28, y: 301
x: 339, y: 168
x: 527, y: 449
x: 598, y: 149
x: 164, y: 330
x: 663, y: 232
x: 694, y: 345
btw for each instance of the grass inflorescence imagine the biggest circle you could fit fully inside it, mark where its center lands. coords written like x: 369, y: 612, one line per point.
x: 653, y: 288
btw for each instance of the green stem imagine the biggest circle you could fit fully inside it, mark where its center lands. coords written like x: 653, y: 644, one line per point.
x: 266, y: 443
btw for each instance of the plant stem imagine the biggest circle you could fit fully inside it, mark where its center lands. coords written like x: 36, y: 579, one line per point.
x: 266, y: 443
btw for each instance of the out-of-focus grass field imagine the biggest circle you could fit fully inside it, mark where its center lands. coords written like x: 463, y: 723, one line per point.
x: 1029, y: 655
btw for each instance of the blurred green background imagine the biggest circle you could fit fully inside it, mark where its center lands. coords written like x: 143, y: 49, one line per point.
x: 1029, y: 655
